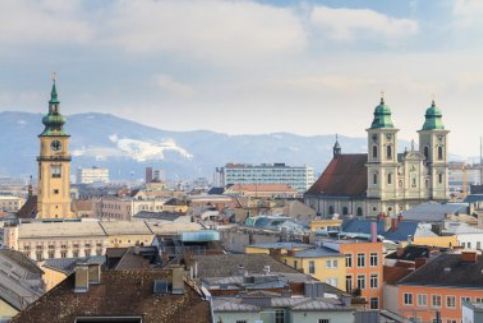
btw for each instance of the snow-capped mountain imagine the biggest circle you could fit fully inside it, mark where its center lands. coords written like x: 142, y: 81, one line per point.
x: 126, y: 147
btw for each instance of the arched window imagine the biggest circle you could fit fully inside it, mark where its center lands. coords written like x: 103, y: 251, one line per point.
x: 440, y: 178
x: 331, y: 210
x: 389, y: 178
x: 374, y: 151
x: 389, y: 152
x: 440, y: 153
x: 374, y: 179
x: 359, y: 211
x: 345, y: 210
x: 426, y: 152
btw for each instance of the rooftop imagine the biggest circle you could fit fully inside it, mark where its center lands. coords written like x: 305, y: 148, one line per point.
x: 448, y: 270
x: 120, y: 293
x: 317, y: 253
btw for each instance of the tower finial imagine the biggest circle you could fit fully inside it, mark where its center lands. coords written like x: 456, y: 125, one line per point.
x: 382, y: 96
x: 433, y: 103
x: 53, y: 93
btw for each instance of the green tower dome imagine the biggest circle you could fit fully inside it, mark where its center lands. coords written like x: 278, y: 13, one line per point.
x: 382, y: 116
x: 53, y: 121
x: 433, y: 118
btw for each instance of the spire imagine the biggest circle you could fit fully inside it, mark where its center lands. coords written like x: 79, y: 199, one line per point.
x: 337, y: 150
x: 53, y: 92
x: 30, y: 189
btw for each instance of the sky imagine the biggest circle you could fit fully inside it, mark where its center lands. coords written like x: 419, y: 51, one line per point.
x: 243, y: 67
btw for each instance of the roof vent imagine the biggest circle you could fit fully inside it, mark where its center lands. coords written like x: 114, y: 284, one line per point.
x: 161, y: 287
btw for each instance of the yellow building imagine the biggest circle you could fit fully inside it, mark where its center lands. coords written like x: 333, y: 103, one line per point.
x: 322, y: 263
x: 325, y: 225
x: 437, y: 241
x: 53, y: 199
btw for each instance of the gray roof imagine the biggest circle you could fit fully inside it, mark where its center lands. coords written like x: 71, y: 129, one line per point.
x: 22, y: 260
x: 238, y: 304
x: 433, y: 211
x: 67, y: 265
x: 281, y: 245
x: 363, y: 226
x: 472, y: 198
x: 317, y: 253
x: 227, y: 265
x: 448, y: 270
x: 165, y: 215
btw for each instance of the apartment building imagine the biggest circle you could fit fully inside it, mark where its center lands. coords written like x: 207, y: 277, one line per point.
x: 11, y: 203
x: 92, y: 175
x: 300, y: 178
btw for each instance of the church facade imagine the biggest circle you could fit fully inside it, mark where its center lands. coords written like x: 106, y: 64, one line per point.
x: 384, y: 181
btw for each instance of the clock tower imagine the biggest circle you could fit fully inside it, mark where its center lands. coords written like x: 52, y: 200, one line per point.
x: 54, y: 165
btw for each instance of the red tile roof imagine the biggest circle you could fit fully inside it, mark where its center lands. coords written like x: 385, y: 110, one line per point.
x: 346, y: 175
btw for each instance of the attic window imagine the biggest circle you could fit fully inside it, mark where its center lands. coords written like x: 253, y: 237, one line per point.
x: 161, y: 287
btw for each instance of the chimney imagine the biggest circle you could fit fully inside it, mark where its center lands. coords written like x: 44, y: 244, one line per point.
x: 241, y: 270
x: 275, y: 253
x: 418, y: 262
x: 177, y: 282
x: 469, y: 256
x: 94, y: 274
x: 266, y: 269
x: 81, y: 278
x: 373, y: 231
x: 290, y: 253
x: 394, y: 224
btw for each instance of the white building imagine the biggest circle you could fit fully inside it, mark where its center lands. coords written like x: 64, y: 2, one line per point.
x: 92, y: 175
x: 299, y: 178
x: 10, y: 203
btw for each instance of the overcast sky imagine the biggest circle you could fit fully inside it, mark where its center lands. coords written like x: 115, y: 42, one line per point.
x: 309, y: 67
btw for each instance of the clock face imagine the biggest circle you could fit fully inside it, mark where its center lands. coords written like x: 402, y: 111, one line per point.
x: 56, y: 145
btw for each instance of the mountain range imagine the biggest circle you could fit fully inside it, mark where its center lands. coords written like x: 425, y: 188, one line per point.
x: 127, y: 147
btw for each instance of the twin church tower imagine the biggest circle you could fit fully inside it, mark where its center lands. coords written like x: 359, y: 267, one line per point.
x: 384, y: 181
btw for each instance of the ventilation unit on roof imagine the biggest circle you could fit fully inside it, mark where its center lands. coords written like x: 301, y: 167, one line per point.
x: 161, y: 287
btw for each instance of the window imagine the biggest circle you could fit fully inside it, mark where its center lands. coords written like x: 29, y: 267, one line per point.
x: 374, y: 303
x: 436, y: 301
x: 63, y: 254
x: 478, y: 245
x: 324, y: 321
x: 55, y: 171
x: 389, y: 152
x: 359, y: 211
x: 374, y: 151
x: 450, y: 301
x: 241, y: 321
x: 361, y: 282
x: 451, y: 321
x: 374, y: 259
x: 331, y: 210
x: 374, y: 281
x: 279, y: 316
x: 408, y: 299
x: 374, y: 179
x: 361, y: 260
x: 295, y: 264
x: 39, y: 256
x: 312, y: 267
x: 422, y: 300
x: 426, y: 152
x: 348, y: 260
x: 345, y: 210
x: 331, y: 263
x: 389, y: 178
x: 348, y: 284
x: 465, y: 299
x: 440, y: 178
x: 51, y: 254
x: 440, y: 153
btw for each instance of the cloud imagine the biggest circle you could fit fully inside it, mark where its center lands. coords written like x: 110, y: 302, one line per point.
x: 212, y: 30
x: 466, y: 13
x: 343, y: 24
x: 47, y: 22
x: 167, y: 84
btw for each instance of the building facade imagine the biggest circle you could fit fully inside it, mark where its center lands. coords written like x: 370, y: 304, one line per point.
x: 10, y: 203
x: 92, y: 175
x: 53, y: 200
x: 383, y: 180
x: 298, y: 177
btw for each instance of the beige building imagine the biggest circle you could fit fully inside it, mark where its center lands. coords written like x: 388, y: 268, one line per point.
x: 125, y: 208
x: 10, y: 203
x: 73, y: 239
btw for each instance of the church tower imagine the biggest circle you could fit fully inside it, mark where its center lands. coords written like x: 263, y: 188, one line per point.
x: 54, y: 165
x: 433, y: 143
x: 382, y: 164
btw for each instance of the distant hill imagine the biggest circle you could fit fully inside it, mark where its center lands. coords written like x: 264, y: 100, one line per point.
x: 127, y: 147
